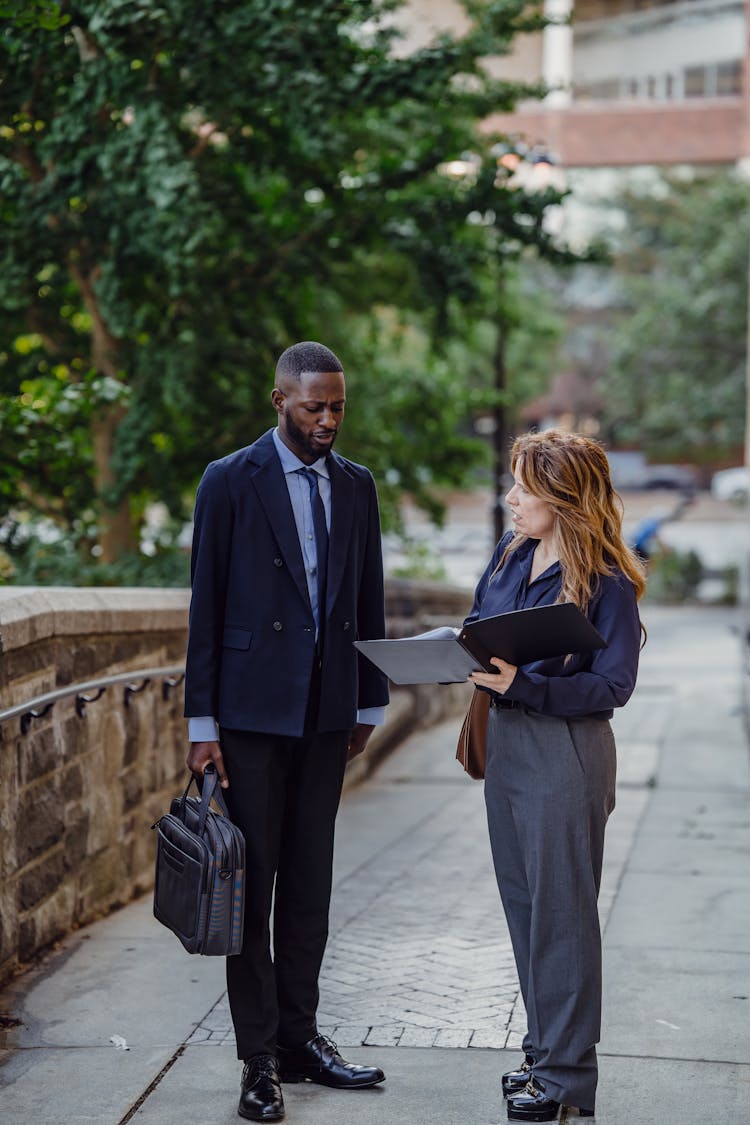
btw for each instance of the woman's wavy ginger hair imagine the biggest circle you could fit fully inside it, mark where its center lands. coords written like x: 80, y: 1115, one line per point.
x: 570, y: 472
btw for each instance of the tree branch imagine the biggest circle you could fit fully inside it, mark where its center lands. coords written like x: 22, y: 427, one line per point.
x: 27, y: 158
x: 104, y: 344
x: 36, y: 325
x: 88, y: 48
x: 205, y: 134
x: 46, y: 503
x: 28, y: 105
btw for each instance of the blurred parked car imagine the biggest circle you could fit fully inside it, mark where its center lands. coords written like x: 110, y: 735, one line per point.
x: 731, y: 484
x: 631, y: 470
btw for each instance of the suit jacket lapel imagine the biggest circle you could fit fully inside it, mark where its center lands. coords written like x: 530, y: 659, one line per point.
x: 342, y: 522
x: 268, y: 478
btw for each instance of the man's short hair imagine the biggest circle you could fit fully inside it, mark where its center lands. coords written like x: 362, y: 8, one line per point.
x: 307, y: 356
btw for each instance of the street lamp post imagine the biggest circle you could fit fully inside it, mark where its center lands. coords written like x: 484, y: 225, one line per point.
x: 500, y: 436
x: 534, y: 170
x: 464, y: 169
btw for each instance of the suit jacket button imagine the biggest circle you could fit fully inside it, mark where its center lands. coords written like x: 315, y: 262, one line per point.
x: 278, y: 562
x: 278, y: 626
x: 346, y: 624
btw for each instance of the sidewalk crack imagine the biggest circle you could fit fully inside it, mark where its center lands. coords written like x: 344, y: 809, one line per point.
x: 152, y: 1086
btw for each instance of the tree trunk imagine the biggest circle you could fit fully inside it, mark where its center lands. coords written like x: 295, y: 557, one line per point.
x: 115, y: 525
x: 116, y: 532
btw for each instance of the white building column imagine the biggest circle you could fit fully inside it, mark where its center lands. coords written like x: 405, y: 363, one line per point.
x: 743, y: 165
x: 557, y: 52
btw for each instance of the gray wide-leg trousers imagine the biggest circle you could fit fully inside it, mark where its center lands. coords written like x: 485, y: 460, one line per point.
x: 549, y: 788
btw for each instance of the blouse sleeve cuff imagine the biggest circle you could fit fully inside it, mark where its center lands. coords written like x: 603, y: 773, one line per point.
x: 527, y: 691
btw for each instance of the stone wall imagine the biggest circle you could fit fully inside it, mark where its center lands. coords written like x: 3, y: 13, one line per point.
x: 414, y: 607
x: 78, y: 793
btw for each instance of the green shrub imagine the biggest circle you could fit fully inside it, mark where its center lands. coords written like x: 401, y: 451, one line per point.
x: 420, y: 561
x: 674, y: 577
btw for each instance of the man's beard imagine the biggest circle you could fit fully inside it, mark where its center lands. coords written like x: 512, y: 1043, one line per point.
x: 303, y: 442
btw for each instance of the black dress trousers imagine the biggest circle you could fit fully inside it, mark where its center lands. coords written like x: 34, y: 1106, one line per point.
x: 284, y: 795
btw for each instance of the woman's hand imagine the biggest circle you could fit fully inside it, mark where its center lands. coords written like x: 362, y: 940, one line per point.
x: 498, y: 681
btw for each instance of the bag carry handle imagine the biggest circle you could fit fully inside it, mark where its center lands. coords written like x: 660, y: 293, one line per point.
x: 209, y: 788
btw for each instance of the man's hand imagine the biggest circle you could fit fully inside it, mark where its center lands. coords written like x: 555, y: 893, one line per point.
x: 358, y: 739
x: 201, y: 753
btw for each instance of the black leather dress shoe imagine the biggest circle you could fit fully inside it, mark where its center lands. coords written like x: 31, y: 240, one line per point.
x: 534, y: 1105
x: 260, y: 1093
x: 319, y: 1061
x: 515, y: 1080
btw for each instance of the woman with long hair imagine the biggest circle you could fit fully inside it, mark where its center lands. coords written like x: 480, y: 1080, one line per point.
x: 550, y: 772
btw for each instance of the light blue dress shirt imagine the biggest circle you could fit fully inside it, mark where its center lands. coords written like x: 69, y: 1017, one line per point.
x: 204, y: 728
x: 299, y: 494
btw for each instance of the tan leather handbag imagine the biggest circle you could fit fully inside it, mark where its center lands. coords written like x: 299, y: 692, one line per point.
x: 472, y: 741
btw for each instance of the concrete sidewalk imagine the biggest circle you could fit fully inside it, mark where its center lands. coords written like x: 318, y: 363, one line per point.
x: 418, y: 976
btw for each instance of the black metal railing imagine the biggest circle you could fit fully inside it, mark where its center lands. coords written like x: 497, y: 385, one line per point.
x: 135, y: 681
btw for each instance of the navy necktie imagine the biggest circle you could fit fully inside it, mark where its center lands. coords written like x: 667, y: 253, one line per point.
x: 321, y: 541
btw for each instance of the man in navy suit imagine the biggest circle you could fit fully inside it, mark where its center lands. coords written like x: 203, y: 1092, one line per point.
x: 286, y: 574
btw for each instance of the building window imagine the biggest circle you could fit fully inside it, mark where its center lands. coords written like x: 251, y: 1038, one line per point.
x: 604, y: 9
x: 729, y: 78
x: 605, y: 90
x: 714, y: 80
x: 695, y: 82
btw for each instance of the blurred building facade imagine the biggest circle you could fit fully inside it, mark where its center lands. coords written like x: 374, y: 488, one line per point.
x: 633, y: 82
x: 643, y: 82
x: 634, y: 86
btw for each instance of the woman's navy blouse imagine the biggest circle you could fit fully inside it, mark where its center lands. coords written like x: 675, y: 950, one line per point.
x: 590, y: 683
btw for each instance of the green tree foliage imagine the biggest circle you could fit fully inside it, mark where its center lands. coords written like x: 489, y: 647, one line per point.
x: 185, y: 189
x: 677, y: 379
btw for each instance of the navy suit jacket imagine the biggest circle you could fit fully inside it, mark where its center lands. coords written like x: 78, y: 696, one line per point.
x: 251, y: 641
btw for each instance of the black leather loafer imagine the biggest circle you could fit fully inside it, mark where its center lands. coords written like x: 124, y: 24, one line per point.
x: 319, y: 1061
x: 260, y: 1092
x: 534, y: 1105
x: 514, y: 1081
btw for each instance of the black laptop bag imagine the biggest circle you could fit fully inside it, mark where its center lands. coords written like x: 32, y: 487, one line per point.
x: 199, y: 892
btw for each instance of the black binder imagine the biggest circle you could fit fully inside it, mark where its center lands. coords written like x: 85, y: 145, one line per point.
x: 447, y: 656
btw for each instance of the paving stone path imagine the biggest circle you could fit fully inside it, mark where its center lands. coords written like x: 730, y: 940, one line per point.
x: 419, y: 954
